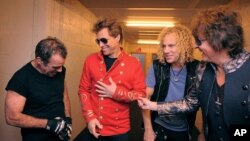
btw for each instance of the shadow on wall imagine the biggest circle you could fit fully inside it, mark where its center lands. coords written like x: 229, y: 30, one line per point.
x: 136, y: 122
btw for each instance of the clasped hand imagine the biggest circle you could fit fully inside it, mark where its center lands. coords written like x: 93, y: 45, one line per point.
x: 62, y: 127
x: 94, y: 126
x: 105, y: 90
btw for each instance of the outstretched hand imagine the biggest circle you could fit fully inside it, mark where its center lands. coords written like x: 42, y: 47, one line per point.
x: 105, y: 90
x: 144, y: 103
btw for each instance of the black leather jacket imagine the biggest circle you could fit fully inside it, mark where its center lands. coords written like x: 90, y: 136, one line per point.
x: 236, y: 107
x: 162, y: 77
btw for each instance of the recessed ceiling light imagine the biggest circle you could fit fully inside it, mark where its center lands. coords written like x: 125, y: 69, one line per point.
x: 148, y: 42
x: 148, y: 34
x: 150, y: 24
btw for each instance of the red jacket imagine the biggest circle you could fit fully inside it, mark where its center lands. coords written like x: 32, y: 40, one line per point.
x: 112, y: 113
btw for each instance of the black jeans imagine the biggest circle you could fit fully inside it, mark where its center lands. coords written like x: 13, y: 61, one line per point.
x: 85, y: 135
x: 163, y: 134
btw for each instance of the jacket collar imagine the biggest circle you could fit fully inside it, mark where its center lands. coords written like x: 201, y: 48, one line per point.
x: 236, y: 63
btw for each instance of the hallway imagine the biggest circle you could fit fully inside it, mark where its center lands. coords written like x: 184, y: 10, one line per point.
x: 25, y: 22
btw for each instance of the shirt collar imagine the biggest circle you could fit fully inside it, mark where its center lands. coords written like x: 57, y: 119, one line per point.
x: 100, y: 55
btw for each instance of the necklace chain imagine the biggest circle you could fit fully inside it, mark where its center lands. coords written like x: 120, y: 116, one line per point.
x: 176, y: 76
x: 219, y: 94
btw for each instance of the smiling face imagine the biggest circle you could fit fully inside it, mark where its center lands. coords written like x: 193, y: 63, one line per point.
x: 111, y: 48
x: 54, y: 65
x: 170, y: 50
x: 208, y: 53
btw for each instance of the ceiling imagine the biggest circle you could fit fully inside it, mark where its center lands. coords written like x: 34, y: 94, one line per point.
x: 178, y: 11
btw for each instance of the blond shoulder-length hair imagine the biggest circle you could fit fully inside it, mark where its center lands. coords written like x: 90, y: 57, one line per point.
x: 184, y: 43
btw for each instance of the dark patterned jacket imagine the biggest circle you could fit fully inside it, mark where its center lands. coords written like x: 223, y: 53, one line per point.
x: 236, y: 104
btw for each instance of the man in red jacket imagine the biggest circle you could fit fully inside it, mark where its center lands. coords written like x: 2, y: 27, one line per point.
x: 110, y: 80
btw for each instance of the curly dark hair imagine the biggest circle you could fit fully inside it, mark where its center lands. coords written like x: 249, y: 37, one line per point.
x: 113, y: 26
x: 49, y: 46
x: 222, y: 28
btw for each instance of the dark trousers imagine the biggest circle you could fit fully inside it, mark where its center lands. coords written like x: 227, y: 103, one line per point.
x: 85, y: 135
x: 163, y: 134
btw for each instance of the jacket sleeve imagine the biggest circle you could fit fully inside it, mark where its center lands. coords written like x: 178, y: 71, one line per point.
x: 190, y: 103
x: 84, y: 94
x: 138, y: 86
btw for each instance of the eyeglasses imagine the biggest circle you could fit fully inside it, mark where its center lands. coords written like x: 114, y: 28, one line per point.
x: 199, y: 41
x: 103, y: 40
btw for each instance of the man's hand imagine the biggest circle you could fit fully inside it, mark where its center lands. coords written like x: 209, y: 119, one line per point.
x: 106, y: 90
x: 55, y: 125
x: 201, y: 137
x: 144, y: 103
x: 65, y: 134
x: 149, y: 135
x: 94, y: 125
x: 61, y: 127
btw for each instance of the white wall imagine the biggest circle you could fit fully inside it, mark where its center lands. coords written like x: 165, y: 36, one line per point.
x: 16, y: 38
x: 25, y: 22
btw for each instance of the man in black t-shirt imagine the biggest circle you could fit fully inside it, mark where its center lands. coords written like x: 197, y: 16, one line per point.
x: 37, y: 99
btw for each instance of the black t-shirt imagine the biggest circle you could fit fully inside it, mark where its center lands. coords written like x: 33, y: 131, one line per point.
x: 44, y: 94
x: 108, y: 62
